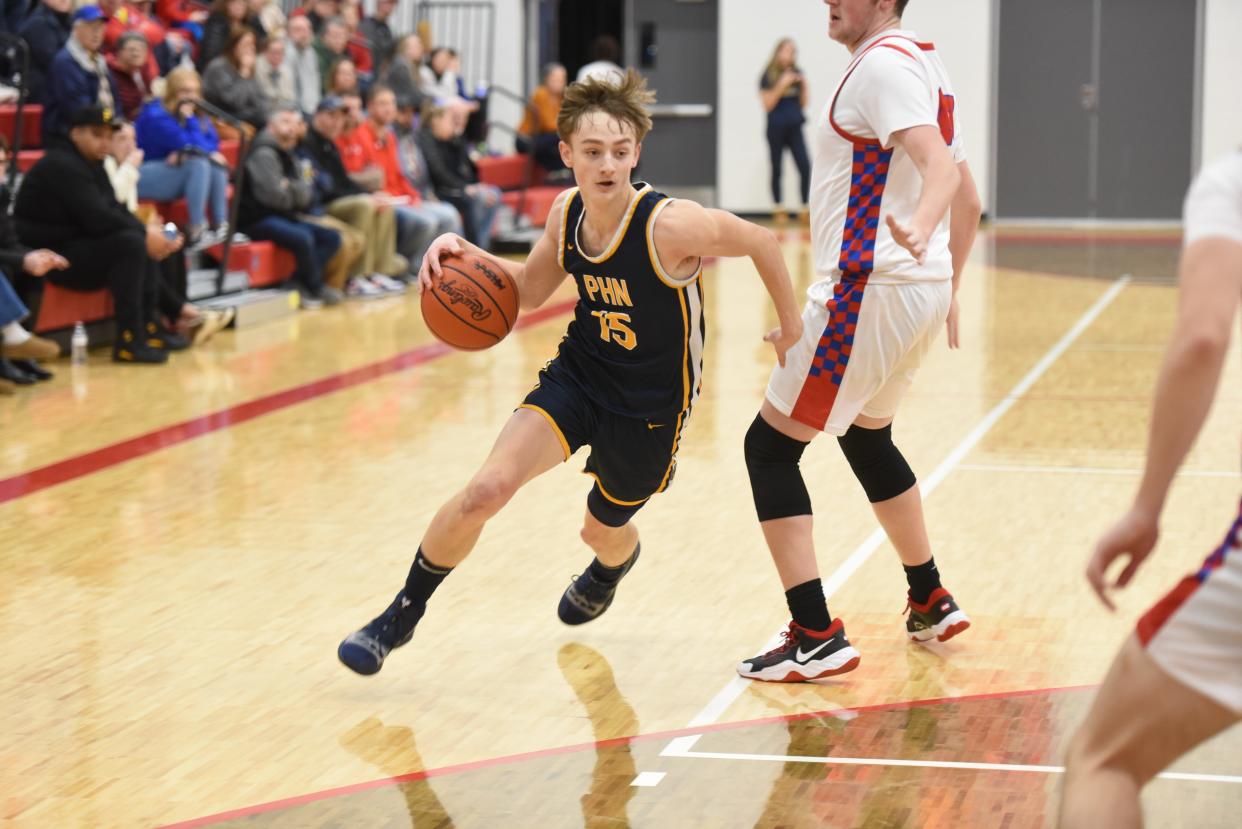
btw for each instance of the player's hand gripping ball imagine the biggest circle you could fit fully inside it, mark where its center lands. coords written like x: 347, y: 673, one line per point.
x: 472, y: 304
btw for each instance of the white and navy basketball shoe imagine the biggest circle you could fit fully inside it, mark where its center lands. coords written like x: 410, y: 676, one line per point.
x: 364, y: 651
x: 804, y: 655
x: 587, y: 597
x: 939, y: 618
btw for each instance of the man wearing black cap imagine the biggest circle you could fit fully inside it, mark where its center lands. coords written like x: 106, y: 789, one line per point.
x: 105, y: 244
x: 79, y: 75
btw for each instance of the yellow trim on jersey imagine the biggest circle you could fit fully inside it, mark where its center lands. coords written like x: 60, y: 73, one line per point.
x: 551, y: 422
x: 655, y: 257
x: 616, y: 501
x: 560, y: 248
x: 672, y: 461
x: 616, y: 237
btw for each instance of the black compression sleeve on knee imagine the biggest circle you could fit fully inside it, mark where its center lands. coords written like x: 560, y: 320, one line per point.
x: 775, y: 479
x: 878, y: 464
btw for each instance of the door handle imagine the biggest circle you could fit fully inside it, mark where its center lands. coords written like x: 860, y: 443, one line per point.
x: 1089, y: 97
x: 682, y: 110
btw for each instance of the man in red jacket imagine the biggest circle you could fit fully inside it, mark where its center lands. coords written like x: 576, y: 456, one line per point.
x: 369, y: 152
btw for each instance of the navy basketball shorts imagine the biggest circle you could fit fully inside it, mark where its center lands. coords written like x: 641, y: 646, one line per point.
x: 632, y: 458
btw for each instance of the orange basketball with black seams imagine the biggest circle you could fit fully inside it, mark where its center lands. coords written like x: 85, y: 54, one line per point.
x: 472, y: 304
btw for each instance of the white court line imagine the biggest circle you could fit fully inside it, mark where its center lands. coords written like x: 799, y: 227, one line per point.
x: 927, y: 764
x: 1090, y: 470
x: 737, y: 686
x: 649, y: 778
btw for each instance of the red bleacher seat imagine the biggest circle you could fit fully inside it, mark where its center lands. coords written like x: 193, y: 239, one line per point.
x: 61, y: 307
x: 508, y: 172
x: 27, y: 158
x: 538, y: 202
x: 32, y: 124
x: 266, y: 263
x: 230, y: 150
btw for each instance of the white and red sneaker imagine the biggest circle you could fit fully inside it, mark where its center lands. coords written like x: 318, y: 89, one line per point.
x: 940, y: 618
x: 803, y: 656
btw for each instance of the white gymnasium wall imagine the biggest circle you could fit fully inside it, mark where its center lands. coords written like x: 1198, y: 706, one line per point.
x: 961, y: 30
x: 1221, y: 128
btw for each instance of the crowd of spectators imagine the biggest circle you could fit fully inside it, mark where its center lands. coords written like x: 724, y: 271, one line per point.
x: 130, y: 89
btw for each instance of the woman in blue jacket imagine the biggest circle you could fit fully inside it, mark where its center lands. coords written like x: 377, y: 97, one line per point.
x: 783, y: 90
x: 182, y: 158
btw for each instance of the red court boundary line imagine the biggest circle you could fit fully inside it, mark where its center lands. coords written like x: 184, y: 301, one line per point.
x: 78, y: 466
x: 511, y: 759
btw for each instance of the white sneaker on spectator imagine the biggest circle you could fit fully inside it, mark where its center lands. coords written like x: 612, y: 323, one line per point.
x: 387, y: 283
x: 359, y: 287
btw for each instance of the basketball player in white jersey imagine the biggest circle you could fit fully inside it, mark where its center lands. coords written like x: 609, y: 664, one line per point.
x: 1178, y: 679
x: 894, y: 211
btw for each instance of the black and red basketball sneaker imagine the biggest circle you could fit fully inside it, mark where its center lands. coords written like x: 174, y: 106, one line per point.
x: 804, y: 655
x: 939, y: 618
x: 365, y: 650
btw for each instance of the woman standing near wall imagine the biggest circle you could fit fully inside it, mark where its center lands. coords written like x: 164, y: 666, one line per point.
x: 783, y: 90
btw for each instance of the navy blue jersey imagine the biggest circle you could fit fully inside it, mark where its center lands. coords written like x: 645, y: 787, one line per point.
x: 636, y: 340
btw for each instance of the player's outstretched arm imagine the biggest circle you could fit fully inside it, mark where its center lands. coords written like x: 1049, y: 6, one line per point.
x: 536, y: 278
x: 941, y: 178
x: 687, y: 230
x: 1211, y: 284
x: 964, y: 214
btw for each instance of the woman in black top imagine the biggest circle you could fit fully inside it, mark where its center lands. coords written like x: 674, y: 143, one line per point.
x: 783, y: 90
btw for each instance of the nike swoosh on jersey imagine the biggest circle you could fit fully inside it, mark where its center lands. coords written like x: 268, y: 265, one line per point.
x: 656, y: 425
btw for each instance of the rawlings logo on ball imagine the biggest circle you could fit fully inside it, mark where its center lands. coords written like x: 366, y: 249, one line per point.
x: 459, y: 294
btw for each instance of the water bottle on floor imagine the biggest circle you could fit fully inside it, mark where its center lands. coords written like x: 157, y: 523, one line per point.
x: 78, y: 344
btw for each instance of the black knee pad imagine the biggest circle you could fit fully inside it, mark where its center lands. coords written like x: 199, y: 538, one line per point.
x: 877, y: 463
x: 610, y: 513
x: 775, y: 479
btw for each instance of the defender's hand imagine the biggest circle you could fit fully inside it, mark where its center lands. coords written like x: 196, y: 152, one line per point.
x: 1134, y: 537
x: 448, y: 244
x: 783, y: 338
x: 909, y: 237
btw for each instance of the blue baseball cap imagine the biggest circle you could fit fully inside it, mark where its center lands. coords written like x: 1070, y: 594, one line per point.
x: 90, y: 14
x: 330, y: 103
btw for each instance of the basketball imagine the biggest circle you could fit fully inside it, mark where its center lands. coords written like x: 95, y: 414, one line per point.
x: 472, y: 304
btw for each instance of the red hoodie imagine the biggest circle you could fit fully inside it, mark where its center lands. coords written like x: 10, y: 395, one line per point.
x: 362, y: 147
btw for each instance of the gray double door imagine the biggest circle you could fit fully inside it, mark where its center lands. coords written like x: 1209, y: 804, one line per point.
x: 1095, y: 108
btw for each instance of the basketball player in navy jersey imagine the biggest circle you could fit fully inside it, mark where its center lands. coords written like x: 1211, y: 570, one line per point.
x: 627, y: 372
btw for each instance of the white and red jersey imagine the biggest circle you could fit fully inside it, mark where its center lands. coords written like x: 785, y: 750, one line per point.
x: 894, y: 82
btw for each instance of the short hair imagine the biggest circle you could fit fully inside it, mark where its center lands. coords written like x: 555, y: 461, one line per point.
x: 625, y: 102
x: 377, y: 90
x: 901, y: 7
x: 129, y: 37
x: 282, y: 108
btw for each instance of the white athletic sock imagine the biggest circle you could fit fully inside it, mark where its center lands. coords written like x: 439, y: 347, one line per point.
x: 14, y: 334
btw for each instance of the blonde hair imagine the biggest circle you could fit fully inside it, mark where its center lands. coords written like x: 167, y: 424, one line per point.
x: 774, y: 71
x: 174, y: 81
x: 625, y: 102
